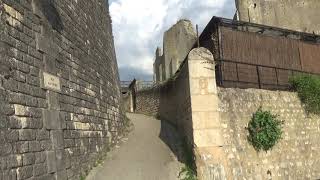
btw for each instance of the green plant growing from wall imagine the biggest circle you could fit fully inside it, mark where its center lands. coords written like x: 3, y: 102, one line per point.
x: 188, y: 172
x: 308, y: 89
x: 265, y: 130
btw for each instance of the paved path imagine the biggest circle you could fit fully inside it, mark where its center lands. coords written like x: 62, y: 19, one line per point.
x: 143, y: 157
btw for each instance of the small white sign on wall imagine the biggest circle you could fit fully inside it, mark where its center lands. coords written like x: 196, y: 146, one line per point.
x: 51, y: 82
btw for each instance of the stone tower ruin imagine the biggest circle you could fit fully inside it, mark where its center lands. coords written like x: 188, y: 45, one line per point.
x: 177, y: 42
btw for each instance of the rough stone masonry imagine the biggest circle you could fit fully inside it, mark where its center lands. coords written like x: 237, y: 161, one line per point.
x: 59, y: 88
x: 298, y: 15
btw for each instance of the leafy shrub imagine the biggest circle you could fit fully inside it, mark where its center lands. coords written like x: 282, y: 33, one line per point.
x: 265, y: 130
x: 308, y: 89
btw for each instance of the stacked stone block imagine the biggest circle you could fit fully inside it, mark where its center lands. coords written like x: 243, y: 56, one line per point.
x: 148, y: 101
x: 59, y: 88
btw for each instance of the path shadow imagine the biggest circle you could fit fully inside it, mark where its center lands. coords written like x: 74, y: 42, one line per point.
x: 170, y: 136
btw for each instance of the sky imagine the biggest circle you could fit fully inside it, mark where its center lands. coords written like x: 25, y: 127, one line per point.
x: 138, y: 27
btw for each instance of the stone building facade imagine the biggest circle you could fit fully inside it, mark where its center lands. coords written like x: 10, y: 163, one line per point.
x: 177, y: 42
x: 59, y: 88
x: 299, y: 15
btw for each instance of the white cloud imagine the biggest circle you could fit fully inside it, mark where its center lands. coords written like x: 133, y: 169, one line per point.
x: 138, y: 27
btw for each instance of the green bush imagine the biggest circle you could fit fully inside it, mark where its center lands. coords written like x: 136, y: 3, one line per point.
x: 308, y: 89
x: 265, y: 130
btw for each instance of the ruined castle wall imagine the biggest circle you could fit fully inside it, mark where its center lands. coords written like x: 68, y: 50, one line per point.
x: 157, y: 67
x: 59, y: 88
x: 296, y: 156
x: 299, y: 15
x: 177, y: 43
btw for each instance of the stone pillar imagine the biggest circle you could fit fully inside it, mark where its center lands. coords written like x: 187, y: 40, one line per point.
x: 207, y: 135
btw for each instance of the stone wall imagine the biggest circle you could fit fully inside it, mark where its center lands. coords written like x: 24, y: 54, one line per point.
x: 157, y: 66
x: 169, y: 101
x: 189, y: 101
x: 296, y: 156
x: 59, y: 88
x: 214, y: 120
x: 126, y: 99
x: 177, y: 43
x: 175, y: 104
x: 299, y: 15
x: 147, y: 101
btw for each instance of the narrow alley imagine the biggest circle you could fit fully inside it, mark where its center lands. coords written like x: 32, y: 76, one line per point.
x: 144, y: 156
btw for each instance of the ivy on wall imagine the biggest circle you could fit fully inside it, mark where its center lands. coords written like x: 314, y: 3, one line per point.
x: 265, y: 130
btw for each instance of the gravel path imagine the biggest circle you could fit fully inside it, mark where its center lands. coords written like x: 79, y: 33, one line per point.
x: 144, y: 155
